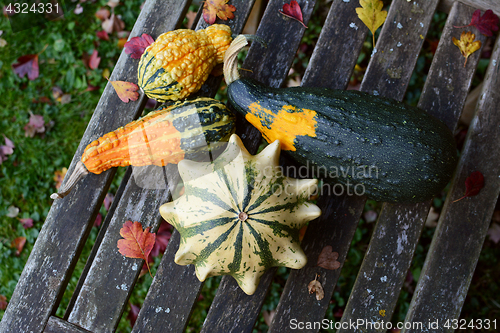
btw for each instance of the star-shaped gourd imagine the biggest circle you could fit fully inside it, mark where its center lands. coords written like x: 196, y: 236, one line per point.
x: 240, y: 215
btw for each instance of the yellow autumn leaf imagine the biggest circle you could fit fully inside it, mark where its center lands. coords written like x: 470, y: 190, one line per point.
x: 466, y: 44
x: 372, y: 15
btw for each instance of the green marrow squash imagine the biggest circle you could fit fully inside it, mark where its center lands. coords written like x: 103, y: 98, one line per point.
x: 371, y: 145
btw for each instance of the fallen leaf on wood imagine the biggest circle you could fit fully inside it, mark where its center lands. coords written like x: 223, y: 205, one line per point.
x: 127, y: 91
x: 27, y: 223
x: 466, y: 44
x: 27, y: 65
x: 217, y: 8
x: 494, y: 233
x: 293, y: 11
x: 136, y: 243
x: 18, y: 243
x: 315, y: 287
x: 328, y: 259
x: 372, y: 15
x: 136, y: 45
x: 486, y: 24
x: 3, y: 302
x: 36, y: 124
x: 473, y: 185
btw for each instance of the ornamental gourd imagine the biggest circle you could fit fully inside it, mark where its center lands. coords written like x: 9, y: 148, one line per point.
x: 240, y: 215
x: 391, y: 151
x: 188, y: 129
x: 179, y: 62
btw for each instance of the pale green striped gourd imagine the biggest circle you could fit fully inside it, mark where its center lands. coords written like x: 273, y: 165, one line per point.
x: 240, y: 215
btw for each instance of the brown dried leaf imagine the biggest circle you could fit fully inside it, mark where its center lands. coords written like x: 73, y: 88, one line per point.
x: 328, y: 259
x: 315, y: 287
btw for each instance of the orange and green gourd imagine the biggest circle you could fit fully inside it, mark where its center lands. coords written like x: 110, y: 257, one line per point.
x: 179, y: 62
x: 191, y: 129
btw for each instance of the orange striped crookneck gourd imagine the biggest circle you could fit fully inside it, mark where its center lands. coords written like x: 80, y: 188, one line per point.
x: 179, y: 61
x: 189, y: 129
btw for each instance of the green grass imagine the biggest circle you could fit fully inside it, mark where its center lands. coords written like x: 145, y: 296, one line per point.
x: 26, y: 177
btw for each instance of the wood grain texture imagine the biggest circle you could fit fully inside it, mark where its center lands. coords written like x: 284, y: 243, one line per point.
x: 57, y: 325
x: 448, y: 81
x: 70, y: 219
x: 111, y: 277
x: 171, y: 296
x: 399, y: 226
x: 494, y: 5
x: 462, y: 227
x: 233, y: 310
x: 398, y: 46
x: 340, y: 215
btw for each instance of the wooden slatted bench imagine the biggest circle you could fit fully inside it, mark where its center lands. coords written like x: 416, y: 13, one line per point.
x: 108, y: 278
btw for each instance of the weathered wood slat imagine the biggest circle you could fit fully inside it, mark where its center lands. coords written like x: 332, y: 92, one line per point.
x: 100, y: 236
x: 167, y: 306
x: 101, y: 300
x: 341, y: 49
x: 57, y: 325
x: 171, y: 296
x: 62, y: 237
x: 232, y: 310
x: 494, y: 5
x: 399, y: 226
x: 397, y: 47
x: 462, y: 227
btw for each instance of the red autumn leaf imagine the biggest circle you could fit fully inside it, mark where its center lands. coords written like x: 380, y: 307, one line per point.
x: 27, y: 223
x: 132, y: 315
x: 18, y: 244
x: 136, y: 45
x: 102, y: 35
x: 293, y: 11
x: 27, y: 64
x: 91, y: 87
x: 217, y: 8
x: 127, y: 91
x: 94, y: 60
x: 473, y: 185
x: 328, y: 259
x: 35, y: 125
x: 3, y: 302
x: 136, y: 243
x: 486, y: 24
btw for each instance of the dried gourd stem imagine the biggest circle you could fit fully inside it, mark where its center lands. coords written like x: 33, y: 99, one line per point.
x: 79, y: 172
x: 230, y: 68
